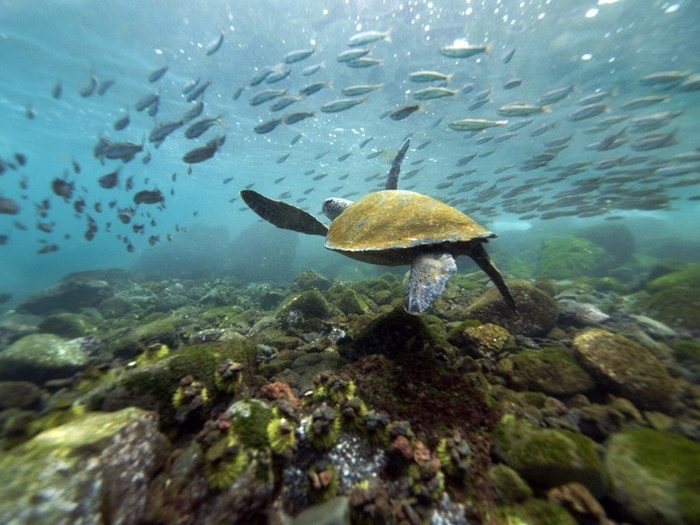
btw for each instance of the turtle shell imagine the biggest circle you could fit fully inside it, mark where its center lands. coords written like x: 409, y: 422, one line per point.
x: 392, y: 226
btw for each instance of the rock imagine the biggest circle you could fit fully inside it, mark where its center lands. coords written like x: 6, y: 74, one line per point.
x: 115, y: 307
x: 19, y: 394
x: 335, y: 511
x: 550, y: 370
x: 39, y: 357
x: 570, y: 256
x: 509, y: 486
x: 535, y: 512
x: 580, y: 314
x: 310, y: 280
x: 625, y: 368
x: 548, y: 457
x: 310, y: 304
x: 92, y: 470
x: 484, y: 341
x: 69, y: 295
x: 66, y: 324
x: 166, y: 330
x: 537, y: 311
x: 580, y: 502
x: 655, y: 476
x: 674, y: 298
x: 600, y: 421
x: 616, y: 239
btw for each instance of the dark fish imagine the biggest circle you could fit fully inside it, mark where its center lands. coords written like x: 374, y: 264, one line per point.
x: 104, y: 86
x: 89, y: 89
x: 508, y: 56
x: 204, y: 152
x: 194, y: 111
x: 146, y: 158
x: 293, y: 118
x: 125, y: 214
x: 47, y: 249
x: 157, y: 74
x: 404, y: 111
x: 30, y: 112
x: 79, y: 205
x: 57, y: 89
x: 278, y: 180
x: 260, y: 77
x: 284, y: 157
x: 364, y: 62
x: 91, y: 229
x: 365, y: 142
x: 20, y: 226
x: 345, y: 156
x: 149, y: 197
x: 21, y: 159
x: 110, y: 180
x: 215, y: 45
x: 588, y: 111
x: 173, y: 177
x: 295, y: 139
x: 147, y: 101
x: 237, y: 94
x: 8, y: 206
x: 125, y: 151
x: 265, y: 95
x: 227, y: 180
x: 160, y: 132
x: 310, y: 89
x: 153, y: 239
x: 197, y: 91
x: 46, y: 227
x: 298, y: 55
x: 62, y: 188
x: 129, y: 185
x: 321, y: 176
x: 190, y: 86
x: 122, y: 122
x: 649, y: 142
x: 267, y: 126
x: 198, y: 128
x: 555, y: 95
x: 512, y: 83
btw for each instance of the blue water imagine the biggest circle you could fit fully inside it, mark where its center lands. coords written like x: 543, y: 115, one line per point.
x: 604, y: 46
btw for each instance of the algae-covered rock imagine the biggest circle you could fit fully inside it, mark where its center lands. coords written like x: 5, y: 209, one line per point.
x: 67, y: 325
x: 508, y: 485
x: 92, y: 470
x: 550, y: 370
x: 166, y: 330
x: 655, y: 476
x: 625, y: 368
x: 674, y: 298
x: 548, y: 457
x: 39, y: 357
x: 310, y: 304
x: 19, y: 394
x: 537, y: 311
x: 535, y: 512
x: 570, y: 257
x: 68, y: 295
x: 483, y: 341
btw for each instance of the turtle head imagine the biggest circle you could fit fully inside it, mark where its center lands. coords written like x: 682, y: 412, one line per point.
x: 334, y: 206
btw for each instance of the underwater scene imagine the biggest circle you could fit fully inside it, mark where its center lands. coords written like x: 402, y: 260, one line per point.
x: 350, y: 262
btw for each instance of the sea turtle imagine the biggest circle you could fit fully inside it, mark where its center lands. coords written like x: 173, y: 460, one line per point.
x: 394, y: 227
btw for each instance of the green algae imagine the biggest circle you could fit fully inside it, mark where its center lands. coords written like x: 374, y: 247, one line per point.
x: 571, y: 256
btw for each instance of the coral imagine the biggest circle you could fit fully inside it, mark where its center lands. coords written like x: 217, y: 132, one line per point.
x: 570, y: 256
x: 655, y: 476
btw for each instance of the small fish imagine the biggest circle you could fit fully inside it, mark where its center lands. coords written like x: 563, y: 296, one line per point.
x: 194, y: 111
x: 278, y: 180
x: 428, y: 76
x: 664, y: 79
x: 198, y: 128
x: 125, y: 214
x: 461, y: 49
x: 321, y: 176
x: 9, y: 206
x: 295, y: 139
x: 160, y: 132
x: 190, y: 86
x: 314, y: 88
x: 110, y: 180
x: 89, y: 89
x: 341, y: 104
x: 237, y: 94
x: 643, y: 102
x: 46, y: 227
x: 478, y: 104
x: 310, y: 70
x: 423, y: 145
x: 21, y: 159
x: 153, y: 239
x: 149, y: 197
x: 147, y: 101
x: 215, y: 45
x: 122, y: 122
x: 555, y: 95
x: 474, y: 124
x: 365, y: 142
x: 594, y: 98
x: 507, y: 58
x: 360, y: 89
x: 62, y: 188
x: 345, y: 156
x: 404, y: 111
x: 48, y: 249
x: 267, y: 126
x: 104, y: 86
x: 512, y: 83
x: 30, y: 112
x: 364, y: 62
x: 367, y: 37
x: 205, y: 152
x: 57, y: 89
x: 197, y: 91
x: 260, y: 77
x: 520, y: 109
x: 283, y: 102
x: 692, y: 83
x: 279, y: 72
x: 284, y: 157
x: 293, y: 118
x: 588, y: 111
x: 352, y: 54
x: 267, y: 94
x: 650, y: 142
x: 433, y: 93
x: 298, y: 55
x: 157, y: 74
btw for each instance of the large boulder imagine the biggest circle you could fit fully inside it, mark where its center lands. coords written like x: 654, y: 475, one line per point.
x: 655, y: 476
x: 40, y: 357
x: 68, y: 295
x: 92, y: 470
x: 537, y: 311
x: 570, y: 257
x: 625, y: 368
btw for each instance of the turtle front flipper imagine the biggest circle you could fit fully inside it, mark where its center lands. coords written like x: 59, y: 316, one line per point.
x: 283, y: 215
x: 392, y: 180
x: 478, y: 253
x: 429, y: 275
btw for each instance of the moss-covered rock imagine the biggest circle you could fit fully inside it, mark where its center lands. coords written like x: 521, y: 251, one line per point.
x: 537, y: 311
x: 164, y: 329
x: 40, y: 357
x: 570, y: 257
x: 625, y: 368
x: 67, y: 325
x: 92, y: 470
x: 535, y: 512
x: 510, y: 488
x: 655, y: 476
x: 19, y: 394
x: 348, y: 300
x: 310, y: 304
x: 687, y: 350
x: 548, y: 457
x: 674, y: 298
x: 483, y: 341
x: 553, y: 371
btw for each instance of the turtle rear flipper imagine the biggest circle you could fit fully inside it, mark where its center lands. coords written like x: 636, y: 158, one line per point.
x: 429, y: 275
x: 478, y: 253
x: 283, y: 215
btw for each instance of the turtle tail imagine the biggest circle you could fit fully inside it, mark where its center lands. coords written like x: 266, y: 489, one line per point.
x: 392, y: 181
